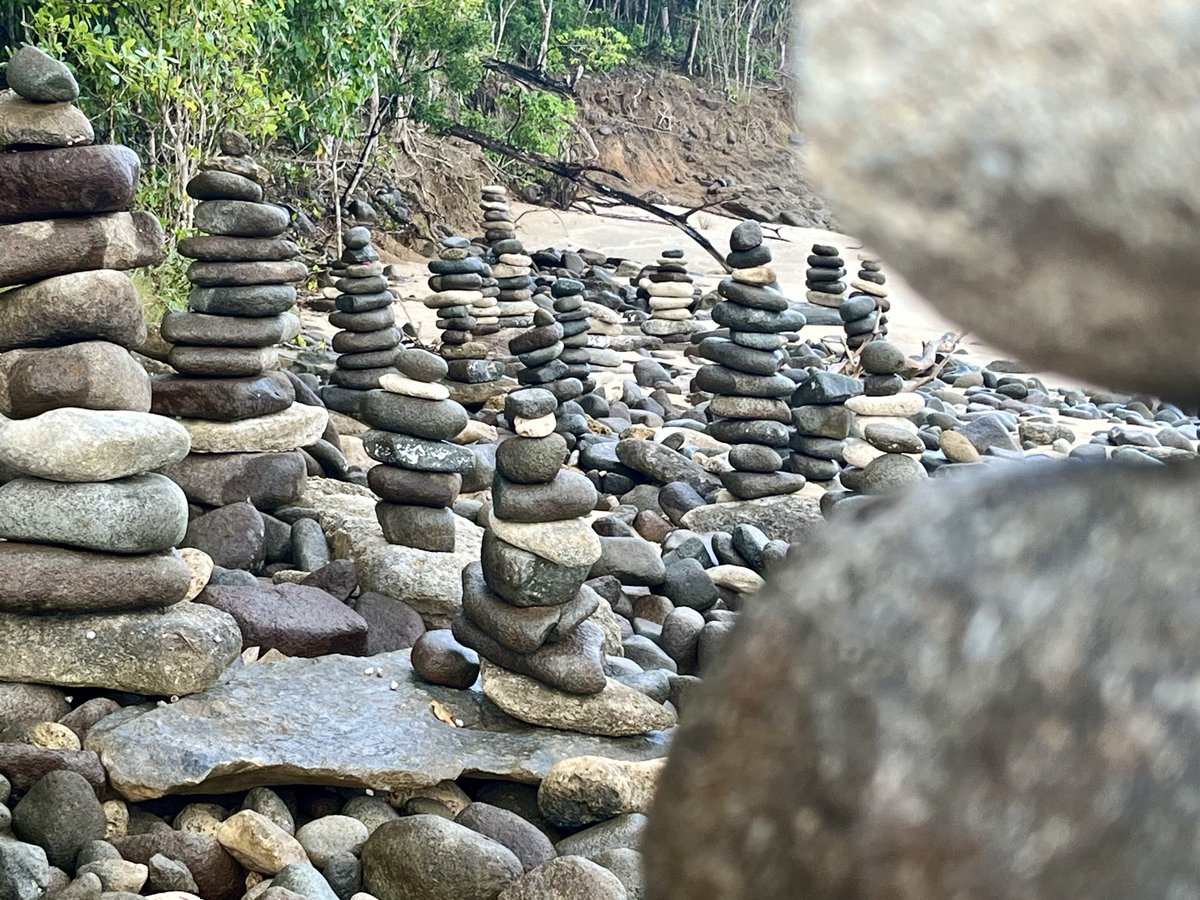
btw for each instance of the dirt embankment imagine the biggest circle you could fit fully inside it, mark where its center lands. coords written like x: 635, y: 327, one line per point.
x: 685, y: 141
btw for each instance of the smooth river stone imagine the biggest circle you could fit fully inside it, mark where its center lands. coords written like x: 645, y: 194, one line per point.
x: 569, y: 542
x: 266, y: 480
x: 25, y: 125
x: 223, y: 248
x: 175, y: 651
x: 365, y: 341
x: 417, y: 453
x: 101, y: 305
x: 435, y: 420
x: 73, y: 444
x: 39, y: 77
x: 370, y: 320
x: 742, y: 359
x: 201, y: 329
x: 238, y: 218
x: 221, y: 399
x: 570, y: 495
x: 522, y: 628
x: 531, y: 460
x: 731, y: 407
x: 43, y: 249
x: 218, y: 362
x: 296, y: 426
x: 904, y: 404
x: 745, y: 318
x: 406, y: 486
x: 240, y: 274
x: 71, y: 181
x: 525, y: 579
x: 616, y: 711
x: 91, y: 374
x: 142, y: 514
x: 574, y: 665
x: 216, y: 185
x: 249, y: 302
x: 752, y: 296
x: 718, y: 379
x: 420, y: 527
x: 39, y: 579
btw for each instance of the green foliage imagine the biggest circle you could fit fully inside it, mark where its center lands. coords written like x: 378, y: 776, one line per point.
x: 599, y: 48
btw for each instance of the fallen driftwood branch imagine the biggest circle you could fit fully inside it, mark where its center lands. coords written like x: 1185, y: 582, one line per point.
x: 585, y: 176
x: 530, y: 77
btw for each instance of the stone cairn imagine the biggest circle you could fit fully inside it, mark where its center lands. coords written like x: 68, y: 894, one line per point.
x: 749, y: 409
x: 569, y: 310
x: 540, y: 351
x: 91, y: 587
x: 826, y: 269
x: 240, y: 410
x: 366, y: 316
x: 671, y: 295
x: 512, y: 268
x: 420, y: 471
x: 864, y: 310
x: 525, y: 606
x: 885, y: 448
x: 822, y: 423
x: 457, y: 279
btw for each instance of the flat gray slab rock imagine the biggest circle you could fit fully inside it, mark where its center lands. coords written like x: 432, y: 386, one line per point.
x: 324, y: 721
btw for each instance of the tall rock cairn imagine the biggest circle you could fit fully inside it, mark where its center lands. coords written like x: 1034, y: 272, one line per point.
x: 540, y: 351
x: 749, y: 410
x: 864, y: 311
x: 826, y: 269
x: 512, y: 267
x: 567, y: 294
x: 229, y: 393
x: 672, y: 296
x: 420, y: 471
x: 525, y: 606
x: 90, y: 585
x: 457, y: 278
x: 365, y: 314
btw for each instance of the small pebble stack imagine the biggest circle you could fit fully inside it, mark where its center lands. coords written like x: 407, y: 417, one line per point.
x: 822, y: 423
x: 229, y: 393
x: 457, y: 278
x: 525, y: 606
x: 540, y: 350
x: 420, y: 472
x: 826, y: 269
x: 884, y: 450
x: 864, y: 312
x: 571, y: 314
x: 512, y: 268
x: 749, y: 409
x: 671, y: 296
x: 91, y: 588
x: 366, y: 316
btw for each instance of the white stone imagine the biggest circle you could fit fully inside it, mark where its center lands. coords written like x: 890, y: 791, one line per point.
x: 859, y: 425
x: 859, y: 453
x: 296, y: 426
x: 903, y: 404
x: 408, y: 387
x: 736, y: 578
x: 869, y: 287
x: 258, y: 843
x: 452, y: 298
x: 535, y: 428
x: 670, y: 289
x: 201, y: 565
x: 502, y: 270
x: 671, y: 302
x: 757, y: 275
x: 829, y: 301
x: 515, y: 259
x: 677, y: 315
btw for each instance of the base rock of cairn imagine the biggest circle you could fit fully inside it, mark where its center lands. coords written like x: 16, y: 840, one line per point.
x: 749, y: 408
x: 82, y: 510
x: 364, y: 311
x: 526, y: 609
x: 230, y: 393
x: 420, y: 473
x: 672, y: 296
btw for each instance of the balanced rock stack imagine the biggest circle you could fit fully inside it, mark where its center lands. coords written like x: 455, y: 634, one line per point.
x: 420, y: 471
x: 864, y: 310
x: 749, y: 409
x: 885, y: 447
x: 366, y: 316
x: 570, y: 312
x: 512, y: 268
x: 91, y: 587
x: 826, y: 269
x: 457, y: 280
x: 671, y: 294
x: 239, y: 409
x: 540, y: 350
x: 526, y: 609
x: 822, y: 423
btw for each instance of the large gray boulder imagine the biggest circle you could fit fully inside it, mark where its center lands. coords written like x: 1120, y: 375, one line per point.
x: 1031, y: 169
x: 999, y: 701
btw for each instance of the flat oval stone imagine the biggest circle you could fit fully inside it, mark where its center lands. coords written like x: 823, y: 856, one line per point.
x: 222, y: 248
x: 744, y: 318
x: 731, y: 407
x: 40, y: 78
x: 222, y: 399
x: 750, y: 431
x: 892, y: 438
x: 250, y: 301
x: 356, y: 303
x: 43, y: 249
x: 296, y: 426
x: 236, y: 274
x: 371, y: 320
x: 68, y: 181
x: 526, y: 579
x: 718, y: 379
x: 435, y: 420
x: 100, y: 305
x: 752, y: 296
x: 215, y: 185
x: 414, y: 488
x: 536, y: 339
x: 238, y: 218
x: 754, y: 458
x: 90, y: 374
x: 756, y: 485
x: 416, y: 453
x: 143, y: 514
x: 201, y: 329
x: 43, y: 579
x: 530, y: 403
x: 265, y: 480
x: 743, y: 359
x: 363, y: 341
x: 569, y: 495
x: 410, y: 387
x: 74, y: 445
x: 421, y: 365
x: 904, y: 404
x: 374, y: 359
x: 569, y: 542
x: 232, y: 362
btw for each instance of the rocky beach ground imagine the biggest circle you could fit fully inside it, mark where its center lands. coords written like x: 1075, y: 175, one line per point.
x: 433, y: 642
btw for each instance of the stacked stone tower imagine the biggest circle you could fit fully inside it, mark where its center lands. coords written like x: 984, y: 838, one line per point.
x: 91, y: 588
x: 457, y: 279
x: 672, y: 296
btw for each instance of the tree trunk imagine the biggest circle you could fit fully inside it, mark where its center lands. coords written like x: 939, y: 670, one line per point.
x: 544, y: 50
x: 692, y: 45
